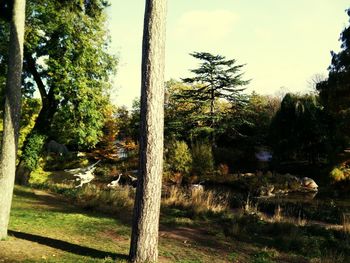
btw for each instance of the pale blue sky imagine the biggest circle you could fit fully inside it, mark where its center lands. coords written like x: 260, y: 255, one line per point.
x: 282, y: 42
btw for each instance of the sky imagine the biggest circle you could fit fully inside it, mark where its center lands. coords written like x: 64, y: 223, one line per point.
x: 283, y: 44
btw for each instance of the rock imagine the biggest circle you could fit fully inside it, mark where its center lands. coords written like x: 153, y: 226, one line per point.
x: 309, y: 183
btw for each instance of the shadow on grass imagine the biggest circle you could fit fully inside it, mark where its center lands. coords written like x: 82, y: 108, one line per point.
x: 66, y: 246
x: 55, y: 202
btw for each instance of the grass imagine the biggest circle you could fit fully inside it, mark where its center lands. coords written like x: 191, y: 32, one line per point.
x: 346, y: 222
x: 196, y: 200
x: 59, y: 232
x: 45, y: 228
x: 195, y: 227
x: 312, y: 242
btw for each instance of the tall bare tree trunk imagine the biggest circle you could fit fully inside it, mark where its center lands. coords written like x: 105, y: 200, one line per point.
x: 144, y: 239
x: 11, y: 114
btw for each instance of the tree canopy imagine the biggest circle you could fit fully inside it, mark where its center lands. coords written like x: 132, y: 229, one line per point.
x: 335, y: 90
x: 299, y: 130
x: 66, y: 58
x: 215, y: 78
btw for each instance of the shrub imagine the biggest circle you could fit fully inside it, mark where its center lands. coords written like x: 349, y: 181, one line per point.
x: 33, y: 150
x: 39, y: 176
x: 337, y: 175
x: 203, y: 161
x: 179, y: 157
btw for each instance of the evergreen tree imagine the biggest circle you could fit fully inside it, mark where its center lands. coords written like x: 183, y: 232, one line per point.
x: 144, y: 239
x: 216, y: 78
x: 335, y: 91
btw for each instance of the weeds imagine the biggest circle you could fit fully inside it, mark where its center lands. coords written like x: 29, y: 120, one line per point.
x: 250, y: 207
x: 93, y: 196
x: 263, y: 257
x: 346, y: 222
x: 197, y: 200
x: 278, y: 214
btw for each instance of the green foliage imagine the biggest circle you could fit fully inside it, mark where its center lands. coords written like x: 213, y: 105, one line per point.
x: 216, y: 78
x: 179, y: 158
x: 243, y: 129
x: 59, y: 163
x: 29, y: 113
x: 39, y: 176
x: 299, y: 130
x: 67, y: 59
x: 32, y: 152
x: 203, y: 161
x: 182, y: 116
x: 340, y: 173
x: 335, y: 92
x: 262, y: 257
x: 309, y: 241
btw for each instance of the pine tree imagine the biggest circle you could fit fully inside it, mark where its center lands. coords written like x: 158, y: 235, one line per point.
x: 335, y: 91
x: 216, y: 78
x: 144, y: 239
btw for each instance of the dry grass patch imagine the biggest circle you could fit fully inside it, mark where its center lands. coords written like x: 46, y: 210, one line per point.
x: 346, y: 222
x: 198, y: 200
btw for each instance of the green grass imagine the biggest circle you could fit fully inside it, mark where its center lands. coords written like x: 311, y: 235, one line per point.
x: 45, y: 227
x: 44, y: 219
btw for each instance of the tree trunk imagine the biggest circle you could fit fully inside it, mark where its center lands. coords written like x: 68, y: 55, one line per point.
x: 43, y: 121
x: 11, y: 114
x: 144, y: 239
x: 41, y: 126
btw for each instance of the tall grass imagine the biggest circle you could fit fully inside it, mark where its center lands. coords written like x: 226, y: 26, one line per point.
x: 116, y: 199
x: 197, y: 200
x: 346, y: 222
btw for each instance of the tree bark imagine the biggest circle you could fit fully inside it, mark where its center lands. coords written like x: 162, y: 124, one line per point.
x: 144, y: 239
x: 43, y: 121
x: 11, y: 114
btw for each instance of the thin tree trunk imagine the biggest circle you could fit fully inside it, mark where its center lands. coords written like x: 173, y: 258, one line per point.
x: 11, y: 114
x: 43, y: 121
x: 144, y: 239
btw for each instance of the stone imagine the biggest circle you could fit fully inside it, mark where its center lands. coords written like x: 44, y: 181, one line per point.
x: 309, y: 183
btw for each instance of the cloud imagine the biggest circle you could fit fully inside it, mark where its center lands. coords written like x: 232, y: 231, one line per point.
x: 204, y: 25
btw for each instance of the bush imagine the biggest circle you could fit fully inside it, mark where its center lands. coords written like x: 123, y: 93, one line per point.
x: 39, y: 176
x: 179, y: 159
x: 203, y: 161
x: 33, y: 150
x: 337, y: 175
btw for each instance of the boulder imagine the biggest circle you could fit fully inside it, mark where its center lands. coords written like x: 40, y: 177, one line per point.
x: 309, y: 184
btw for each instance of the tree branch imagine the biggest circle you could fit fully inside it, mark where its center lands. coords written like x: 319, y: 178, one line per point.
x: 31, y: 66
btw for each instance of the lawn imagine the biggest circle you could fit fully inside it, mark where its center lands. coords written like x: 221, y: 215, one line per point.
x: 44, y: 227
